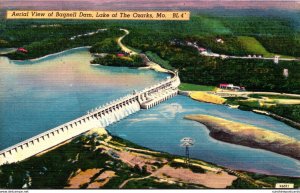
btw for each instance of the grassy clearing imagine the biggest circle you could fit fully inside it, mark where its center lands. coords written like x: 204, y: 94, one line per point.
x: 195, y: 87
x: 253, y: 46
x: 201, y: 24
x: 155, y: 58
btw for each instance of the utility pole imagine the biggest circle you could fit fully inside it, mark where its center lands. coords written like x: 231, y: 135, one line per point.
x: 187, y: 142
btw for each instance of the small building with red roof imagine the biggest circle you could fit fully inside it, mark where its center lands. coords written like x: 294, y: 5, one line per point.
x: 202, y: 49
x: 120, y: 55
x: 23, y: 50
x: 231, y: 87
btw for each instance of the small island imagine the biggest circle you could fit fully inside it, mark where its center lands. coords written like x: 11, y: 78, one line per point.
x: 248, y: 135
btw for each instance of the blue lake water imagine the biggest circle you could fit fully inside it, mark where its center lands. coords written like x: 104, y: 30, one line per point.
x: 40, y: 94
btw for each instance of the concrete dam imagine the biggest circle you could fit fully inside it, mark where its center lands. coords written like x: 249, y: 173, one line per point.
x: 102, y: 116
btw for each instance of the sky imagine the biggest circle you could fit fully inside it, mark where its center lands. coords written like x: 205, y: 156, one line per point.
x: 147, y: 4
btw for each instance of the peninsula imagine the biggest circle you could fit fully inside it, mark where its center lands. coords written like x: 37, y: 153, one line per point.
x: 248, y: 135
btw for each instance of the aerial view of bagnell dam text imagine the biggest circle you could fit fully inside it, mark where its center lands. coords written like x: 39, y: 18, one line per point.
x: 211, y: 101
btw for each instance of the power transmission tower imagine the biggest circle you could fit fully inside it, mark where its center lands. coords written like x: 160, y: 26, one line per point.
x: 187, y: 142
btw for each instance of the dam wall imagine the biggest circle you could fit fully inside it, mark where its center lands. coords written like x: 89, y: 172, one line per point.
x: 102, y: 116
x: 44, y: 141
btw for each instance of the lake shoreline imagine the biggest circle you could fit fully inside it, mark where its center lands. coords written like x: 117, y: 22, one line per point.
x: 48, y: 55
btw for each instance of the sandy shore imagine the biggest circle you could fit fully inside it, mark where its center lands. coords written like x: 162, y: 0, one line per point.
x: 248, y: 135
x: 155, y: 67
x: 205, y: 97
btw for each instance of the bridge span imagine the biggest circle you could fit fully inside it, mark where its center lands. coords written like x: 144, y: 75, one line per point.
x: 98, y: 117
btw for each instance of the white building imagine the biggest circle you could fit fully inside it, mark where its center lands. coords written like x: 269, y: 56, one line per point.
x: 276, y: 59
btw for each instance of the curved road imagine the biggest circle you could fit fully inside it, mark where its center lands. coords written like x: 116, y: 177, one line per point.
x: 123, y: 47
x: 151, y: 65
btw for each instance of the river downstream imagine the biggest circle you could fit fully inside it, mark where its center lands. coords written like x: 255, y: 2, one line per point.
x: 38, y: 95
x: 162, y: 127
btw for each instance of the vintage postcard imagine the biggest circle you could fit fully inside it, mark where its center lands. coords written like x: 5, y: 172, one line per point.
x: 140, y: 94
